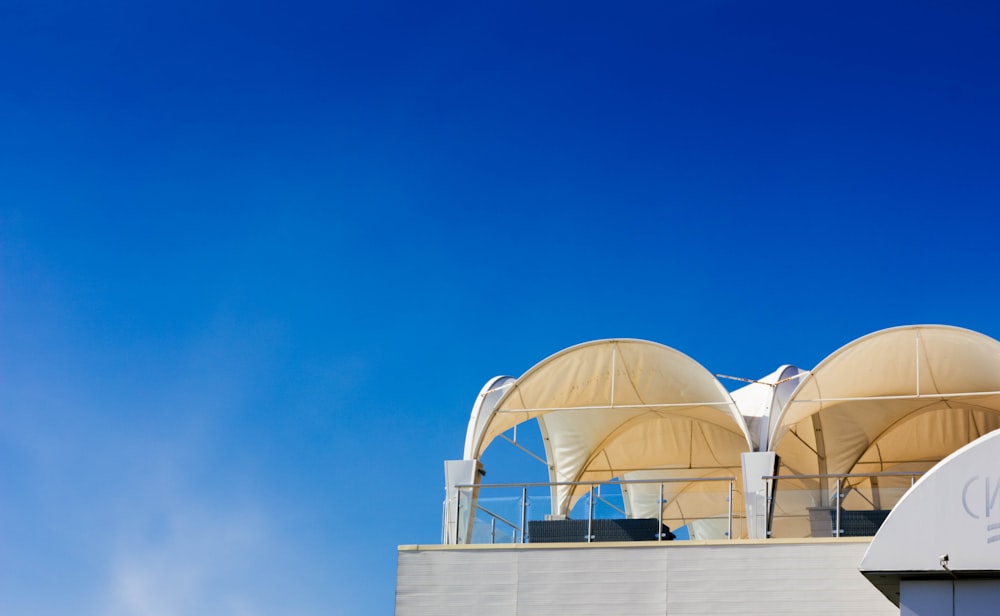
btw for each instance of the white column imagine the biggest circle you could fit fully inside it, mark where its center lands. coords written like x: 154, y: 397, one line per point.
x: 755, y: 489
x: 456, y: 525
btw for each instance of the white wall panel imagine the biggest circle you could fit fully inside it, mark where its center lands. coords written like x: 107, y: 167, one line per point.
x: 591, y: 582
x: 675, y: 579
x: 481, y: 582
x: 772, y: 579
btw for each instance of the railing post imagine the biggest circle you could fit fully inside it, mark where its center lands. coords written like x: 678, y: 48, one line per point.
x: 659, y: 507
x: 524, y: 511
x: 838, y: 509
x: 770, y: 508
x: 590, y: 516
x: 458, y: 517
x: 772, y: 501
x: 730, y: 510
x: 493, y: 530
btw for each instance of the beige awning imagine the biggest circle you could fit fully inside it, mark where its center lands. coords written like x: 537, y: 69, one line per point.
x: 612, y: 407
x: 898, y: 396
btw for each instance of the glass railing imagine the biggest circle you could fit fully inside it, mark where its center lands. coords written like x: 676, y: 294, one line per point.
x: 795, y: 506
x: 850, y: 505
x: 621, y: 510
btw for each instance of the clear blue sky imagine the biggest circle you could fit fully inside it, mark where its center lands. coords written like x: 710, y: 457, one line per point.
x: 257, y: 259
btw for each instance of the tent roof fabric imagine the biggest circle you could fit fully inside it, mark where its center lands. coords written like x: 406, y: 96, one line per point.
x: 613, y: 406
x: 889, y: 398
x: 897, y: 399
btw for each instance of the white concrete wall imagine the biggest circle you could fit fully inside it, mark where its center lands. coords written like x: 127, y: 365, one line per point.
x: 814, y: 577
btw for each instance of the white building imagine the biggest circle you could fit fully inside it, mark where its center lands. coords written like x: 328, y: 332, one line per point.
x: 777, y: 487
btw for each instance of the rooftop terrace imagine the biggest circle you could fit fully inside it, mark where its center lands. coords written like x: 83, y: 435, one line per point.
x: 642, y: 443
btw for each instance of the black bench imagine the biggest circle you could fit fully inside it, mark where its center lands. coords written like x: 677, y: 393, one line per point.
x: 575, y: 531
x: 859, y: 523
x: 853, y: 522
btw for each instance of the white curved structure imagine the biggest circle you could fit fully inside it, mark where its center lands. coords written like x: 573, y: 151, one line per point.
x: 482, y: 411
x: 761, y: 400
x: 947, y: 527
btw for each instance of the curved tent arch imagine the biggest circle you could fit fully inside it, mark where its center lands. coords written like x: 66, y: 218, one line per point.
x: 482, y: 411
x: 610, y: 407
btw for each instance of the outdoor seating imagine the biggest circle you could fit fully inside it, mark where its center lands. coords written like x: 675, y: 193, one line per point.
x: 570, y: 531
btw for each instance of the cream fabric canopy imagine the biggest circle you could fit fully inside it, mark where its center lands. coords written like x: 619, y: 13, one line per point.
x: 900, y: 396
x: 612, y: 407
x: 899, y: 399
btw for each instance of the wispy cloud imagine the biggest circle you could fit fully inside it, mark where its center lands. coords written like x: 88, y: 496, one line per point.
x: 191, y: 560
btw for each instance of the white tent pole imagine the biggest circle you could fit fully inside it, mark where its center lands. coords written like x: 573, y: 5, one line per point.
x: 961, y: 394
x: 595, y: 407
x: 522, y: 447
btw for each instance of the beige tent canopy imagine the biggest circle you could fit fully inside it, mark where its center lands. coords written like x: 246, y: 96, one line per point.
x: 898, y: 396
x: 612, y: 408
x: 899, y: 399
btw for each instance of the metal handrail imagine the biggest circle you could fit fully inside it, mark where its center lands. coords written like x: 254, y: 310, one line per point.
x: 523, y: 487
x: 838, y: 495
x: 496, y: 516
x: 841, y: 475
x: 591, y: 484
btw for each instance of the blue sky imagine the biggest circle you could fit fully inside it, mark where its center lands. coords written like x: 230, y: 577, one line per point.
x: 257, y: 259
